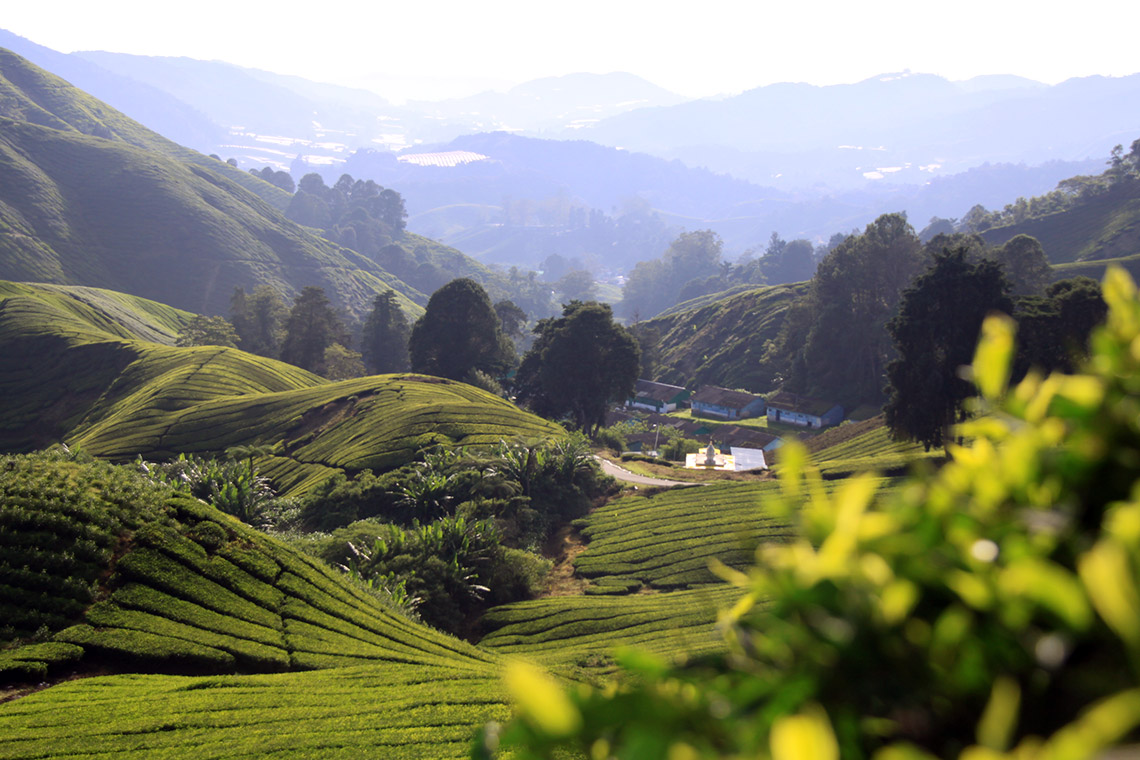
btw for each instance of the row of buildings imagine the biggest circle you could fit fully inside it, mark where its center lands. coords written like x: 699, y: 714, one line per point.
x: 712, y: 402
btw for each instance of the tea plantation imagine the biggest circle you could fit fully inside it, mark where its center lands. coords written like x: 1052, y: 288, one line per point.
x: 105, y: 572
x: 80, y: 371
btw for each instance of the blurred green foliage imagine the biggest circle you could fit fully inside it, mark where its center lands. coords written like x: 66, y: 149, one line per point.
x: 988, y: 609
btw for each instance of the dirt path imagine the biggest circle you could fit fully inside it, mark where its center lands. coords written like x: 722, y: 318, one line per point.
x: 563, y: 548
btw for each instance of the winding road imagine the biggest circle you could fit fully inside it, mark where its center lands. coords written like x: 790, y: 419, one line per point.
x: 622, y: 474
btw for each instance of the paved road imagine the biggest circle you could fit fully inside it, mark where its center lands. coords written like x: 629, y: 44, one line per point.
x: 610, y: 468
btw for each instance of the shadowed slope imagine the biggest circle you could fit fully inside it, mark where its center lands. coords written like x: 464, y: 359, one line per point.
x: 720, y: 339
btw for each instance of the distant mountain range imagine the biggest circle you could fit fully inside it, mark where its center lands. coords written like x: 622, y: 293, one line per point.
x: 902, y: 128
x: 800, y: 160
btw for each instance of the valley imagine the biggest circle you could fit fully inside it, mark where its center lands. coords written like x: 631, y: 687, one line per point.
x: 313, y: 404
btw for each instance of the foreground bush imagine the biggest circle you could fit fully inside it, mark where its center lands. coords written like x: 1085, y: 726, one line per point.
x: 988, y: 610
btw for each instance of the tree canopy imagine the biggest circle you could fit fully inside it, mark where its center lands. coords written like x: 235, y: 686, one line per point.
x: 579, y: 364
x: 259, y: 319
x: 934, y: 334
x: 207, y: 331
x: 312, y: 327
x: 856, y: 290
x: 384, y: 343
x: 458, y: 333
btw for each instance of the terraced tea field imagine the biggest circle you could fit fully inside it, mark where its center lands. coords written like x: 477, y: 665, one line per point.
x: 182, y: 588
x: 863, y: 447
x: 396, y: 711
x: 584, y: 631
x: 76, y: 374
x: 665, y: 541
x: 178, y: 586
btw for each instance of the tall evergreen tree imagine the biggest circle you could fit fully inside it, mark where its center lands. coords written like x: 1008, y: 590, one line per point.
x: 311, y: 328
x: 259, y: 320
x: 384, y: 344
x: 459, y: 333
x: 935, y: 333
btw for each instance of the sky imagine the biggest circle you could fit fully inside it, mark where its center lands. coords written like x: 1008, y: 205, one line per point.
x: 428, y: 49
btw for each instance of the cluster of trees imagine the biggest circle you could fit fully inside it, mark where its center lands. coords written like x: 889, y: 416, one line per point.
x: 632, y: 232
x: 692, y: 266
x: 937, y: 326
x: 357, y: 214
x: 281, y: 179
x: 311, y: 334
x: 462, y: 335
x: 835, y: 342
x: 1122, y: 175
x: 579, y: 363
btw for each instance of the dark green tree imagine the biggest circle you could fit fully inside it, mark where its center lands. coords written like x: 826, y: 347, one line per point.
x: 580, y: 363
x: 576, y: 285
x: 1025, y: 264
x: 459, y: 333
x: 1053, y: 329
x: 384, y: 344
x: 935, y: 333
x: 512, y: 320
x: 787, y: 261
x: 259, y: 319
x: 311, y: 328
x: 856, y: 289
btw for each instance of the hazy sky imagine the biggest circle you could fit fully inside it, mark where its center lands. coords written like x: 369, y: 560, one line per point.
x: 444, y: 47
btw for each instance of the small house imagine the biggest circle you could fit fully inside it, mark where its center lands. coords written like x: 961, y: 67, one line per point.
x: 711, y: 401
x: 794, y: 409
x: 657, y: 397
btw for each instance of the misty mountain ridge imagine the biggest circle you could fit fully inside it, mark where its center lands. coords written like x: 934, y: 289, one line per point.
x: 904, y: 128
x: 801, y: 160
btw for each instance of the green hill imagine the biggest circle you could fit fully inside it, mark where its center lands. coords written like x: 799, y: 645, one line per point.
x: 74, y: 372
x: 721, y: 339
x: 30, y: 94
x: 89, y: 197
x: 1106, y: 226
x: 103, y: 572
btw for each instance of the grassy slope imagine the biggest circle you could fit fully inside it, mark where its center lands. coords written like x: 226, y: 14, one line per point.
x: 864, y: 446
x: 28, y: 93
x: 184, y: 588
x: 1107, y: 227
x: 720, y: 340
x: 90, y: 197
x: 75, y: 373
